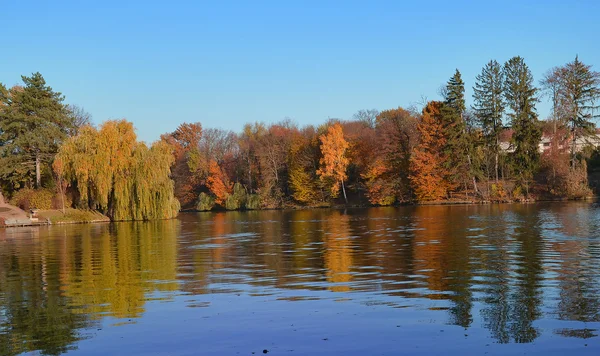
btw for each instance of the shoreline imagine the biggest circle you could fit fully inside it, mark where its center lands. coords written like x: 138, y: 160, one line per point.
x: 426, y: 203
x: 77, y: 216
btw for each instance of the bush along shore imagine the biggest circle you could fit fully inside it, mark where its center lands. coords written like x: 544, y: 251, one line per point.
x: 495, y: 148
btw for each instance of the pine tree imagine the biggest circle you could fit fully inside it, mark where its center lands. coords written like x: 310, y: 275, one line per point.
x: 520, y: 95
x: 578, y: 92
x: 459, y: 147
x: 33, y: 122
x: 489, y: 107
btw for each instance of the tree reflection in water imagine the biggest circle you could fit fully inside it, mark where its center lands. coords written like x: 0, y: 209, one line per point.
x: 504, y: 268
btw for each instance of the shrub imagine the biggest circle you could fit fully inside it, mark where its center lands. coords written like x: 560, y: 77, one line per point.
x: 576, y: 182
x: 497, y: 192
x: 236, y: 200
x: 28, y: 198
x: 231, y: 203
x: 253, y: 202
x: 205, y: 202
x: 518, y: 193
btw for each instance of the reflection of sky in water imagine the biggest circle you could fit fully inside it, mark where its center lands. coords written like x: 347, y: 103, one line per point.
x: 434, y: 279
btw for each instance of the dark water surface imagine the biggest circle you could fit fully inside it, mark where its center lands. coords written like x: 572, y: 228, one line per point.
x: 497, y: 279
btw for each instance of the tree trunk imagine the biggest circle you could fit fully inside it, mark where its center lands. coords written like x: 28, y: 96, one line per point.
x: 38, y: 174
x: 250, y: 174
x: 344, y: 191
x: 62, y: 195
x: 473, y: 176
x: 573, y: 144
x: 496, y: 158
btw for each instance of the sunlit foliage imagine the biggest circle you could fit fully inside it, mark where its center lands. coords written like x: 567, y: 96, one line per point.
x: 427, y: 165
x: 117, y: 175
x: 334, y: 161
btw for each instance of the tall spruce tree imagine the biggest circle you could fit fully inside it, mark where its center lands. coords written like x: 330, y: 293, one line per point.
x: 520, y: 95
x: 33, y: 123
x: 489, y: 107
x: 458, y: 146
x: 579, y: 90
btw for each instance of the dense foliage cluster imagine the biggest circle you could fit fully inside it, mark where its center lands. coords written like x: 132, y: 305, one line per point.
x: 117, y: 175
x: 491, y: 151
x: 498, y: 149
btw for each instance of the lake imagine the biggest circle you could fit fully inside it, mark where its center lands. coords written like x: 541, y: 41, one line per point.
x: 471, y: 280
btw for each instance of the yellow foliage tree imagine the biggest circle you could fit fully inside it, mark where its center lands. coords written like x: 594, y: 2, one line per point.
x: 117, y: 175
x: 334, y: 161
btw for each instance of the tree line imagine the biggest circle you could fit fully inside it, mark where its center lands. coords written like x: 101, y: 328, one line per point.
x: 52, y: 157
x: 498, y: 149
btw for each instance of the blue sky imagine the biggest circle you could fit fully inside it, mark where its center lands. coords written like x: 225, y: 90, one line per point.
x: 225, y: 63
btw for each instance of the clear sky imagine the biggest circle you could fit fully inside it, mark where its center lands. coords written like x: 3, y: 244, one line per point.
x: 225, y: 63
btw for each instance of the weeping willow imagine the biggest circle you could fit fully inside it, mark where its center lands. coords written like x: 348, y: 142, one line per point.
x: 117, y: 175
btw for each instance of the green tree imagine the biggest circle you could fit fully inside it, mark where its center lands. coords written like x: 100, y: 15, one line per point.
x: 33, y: 123
x: 579, y: 90
x: 489, y: 107
x: 520, y: 95
x: 459, y: 146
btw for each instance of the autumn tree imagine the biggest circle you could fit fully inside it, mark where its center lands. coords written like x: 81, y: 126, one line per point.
x: 185, y: 141
x: 380, y: 188
x: 215, y: 144
x: 573, y: 90
x: 114, y: 173
x: 489, y: 107
x: 304, y: 157
x: 367, y: 117
x: 272, y: 151
x: 428, y: 173
x: 399, y: 135
x: 218, y: 183
x: 520, y: 96
x: 248, y: 144
x: 387, y: 154
x: 79, y: 117
x: 334, y: 162
x: 362, y: 142
x: 33, y: 122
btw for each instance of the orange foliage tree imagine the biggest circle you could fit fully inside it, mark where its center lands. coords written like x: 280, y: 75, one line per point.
x: 387, y: 158
x: 427, y: 171
x: 185, y: 140
x: 218, y: 183
x: 380, y: 188
x: 334, y: 161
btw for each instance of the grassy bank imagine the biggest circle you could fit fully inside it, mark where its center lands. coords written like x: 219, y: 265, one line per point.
x: 72, y: 216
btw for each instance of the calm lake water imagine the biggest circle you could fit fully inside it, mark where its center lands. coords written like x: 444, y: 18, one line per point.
x: 494, y: 279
